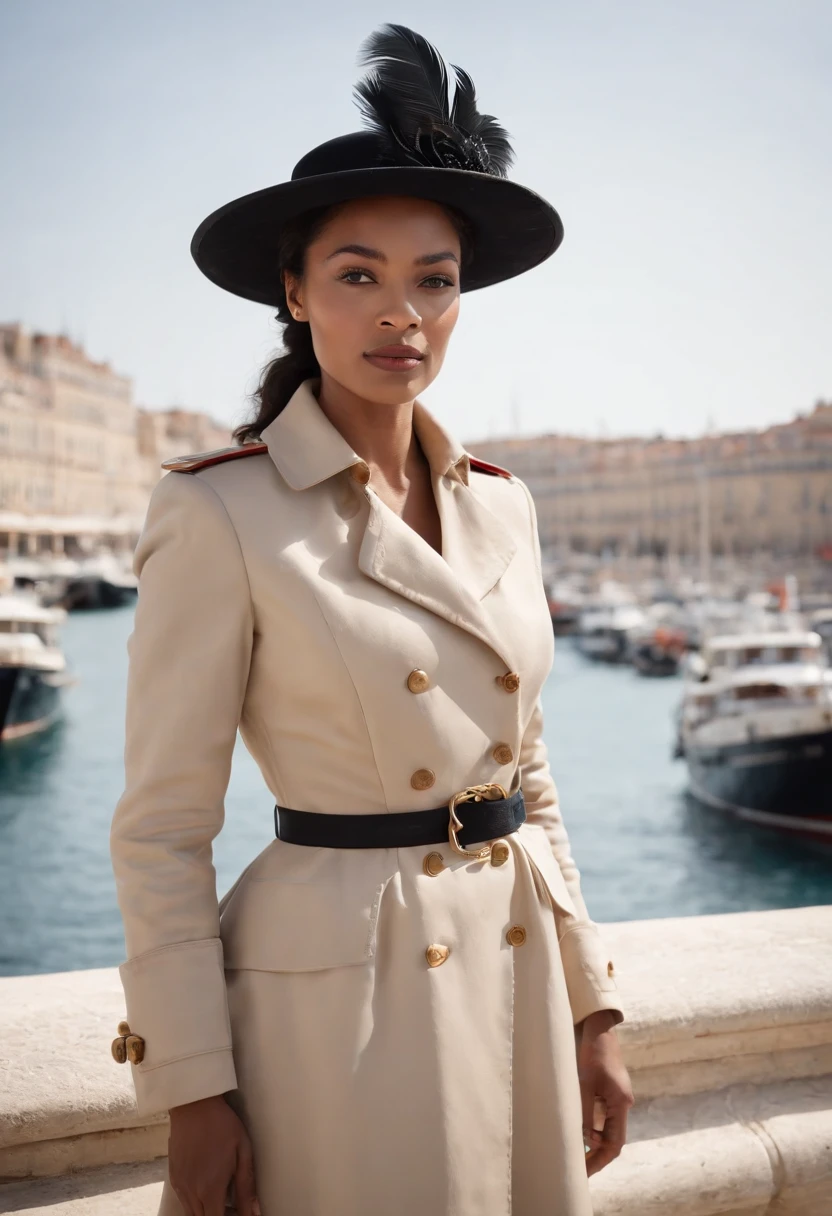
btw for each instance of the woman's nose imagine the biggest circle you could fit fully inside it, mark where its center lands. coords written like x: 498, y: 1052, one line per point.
x: 399, y: 314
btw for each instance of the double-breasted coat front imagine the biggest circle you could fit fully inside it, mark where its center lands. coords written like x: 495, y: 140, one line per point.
x: 279, y: 594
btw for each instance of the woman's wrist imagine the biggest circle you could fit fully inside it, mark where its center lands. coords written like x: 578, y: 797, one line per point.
x: 599, y: 1021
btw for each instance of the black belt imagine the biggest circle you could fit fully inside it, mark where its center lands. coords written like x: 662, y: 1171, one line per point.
x: 483, y: 820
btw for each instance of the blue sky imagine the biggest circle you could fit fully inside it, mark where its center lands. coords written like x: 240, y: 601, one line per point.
x: 685, y: 144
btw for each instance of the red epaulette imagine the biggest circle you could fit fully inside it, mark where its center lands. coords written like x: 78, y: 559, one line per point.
x: 203, y: 460
x: 483, y: 466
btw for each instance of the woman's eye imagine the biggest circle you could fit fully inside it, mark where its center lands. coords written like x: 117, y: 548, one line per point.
x: 437, y: 280
x: 355, y: 276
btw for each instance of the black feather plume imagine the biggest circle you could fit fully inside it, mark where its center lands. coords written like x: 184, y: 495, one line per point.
x: 404, y: 99
x: 465, y: 115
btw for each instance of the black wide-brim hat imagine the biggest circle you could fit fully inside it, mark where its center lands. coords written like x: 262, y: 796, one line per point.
x: 418, y: 146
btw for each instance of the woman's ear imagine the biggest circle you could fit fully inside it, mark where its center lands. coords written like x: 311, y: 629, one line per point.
x: 294, y: 295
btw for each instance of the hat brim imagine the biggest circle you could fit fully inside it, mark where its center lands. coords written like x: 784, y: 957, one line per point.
x: 515, y: 229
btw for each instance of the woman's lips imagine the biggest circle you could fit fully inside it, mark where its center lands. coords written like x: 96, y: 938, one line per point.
x: 389, y: 359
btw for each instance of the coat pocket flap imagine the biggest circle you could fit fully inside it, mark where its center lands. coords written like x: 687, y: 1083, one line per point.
x: 539, y: 852
x: 270, y: 924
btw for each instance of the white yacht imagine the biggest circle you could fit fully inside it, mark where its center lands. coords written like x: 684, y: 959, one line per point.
x: 33, y: 670
x: 755, y: 727
x: 604, y: 629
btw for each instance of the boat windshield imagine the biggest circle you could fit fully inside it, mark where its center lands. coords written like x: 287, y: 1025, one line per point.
x: 44, y: 631
x: 764, y: 656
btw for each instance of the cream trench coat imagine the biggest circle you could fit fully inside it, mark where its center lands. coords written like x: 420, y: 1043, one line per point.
x: 279, y: 593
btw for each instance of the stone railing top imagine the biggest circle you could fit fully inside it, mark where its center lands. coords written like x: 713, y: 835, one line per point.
x: 700, y: 978
x: 689, y: 976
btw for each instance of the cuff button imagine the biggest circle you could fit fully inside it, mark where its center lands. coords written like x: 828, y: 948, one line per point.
x: 610, y: 969
x: 127, y: 1046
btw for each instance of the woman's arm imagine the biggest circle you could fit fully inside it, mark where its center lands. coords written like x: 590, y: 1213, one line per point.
x: 189, y: 656
x: 585, y: 960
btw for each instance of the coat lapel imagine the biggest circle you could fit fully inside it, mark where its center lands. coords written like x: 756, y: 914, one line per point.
x: 450, y: 586
x: 476, y: 546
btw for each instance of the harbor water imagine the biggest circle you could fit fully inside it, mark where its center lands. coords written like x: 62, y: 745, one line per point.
x: 644, y: 848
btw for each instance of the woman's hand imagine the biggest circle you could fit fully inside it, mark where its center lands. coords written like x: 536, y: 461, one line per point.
x: 208, y: 1148
x: 605, y: 1090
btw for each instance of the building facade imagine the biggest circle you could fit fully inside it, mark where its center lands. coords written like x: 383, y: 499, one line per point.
x: 739, y: 494
x: 78, y: 457
x: 76, y: 454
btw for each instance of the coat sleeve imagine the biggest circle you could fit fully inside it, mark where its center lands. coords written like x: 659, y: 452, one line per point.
x: 587, y: 965
x: 189, y: 656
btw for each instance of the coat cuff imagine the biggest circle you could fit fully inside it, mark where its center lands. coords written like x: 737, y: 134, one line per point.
x: 185, y: 1080
x: 589, y: 973
x: 176, y: 1001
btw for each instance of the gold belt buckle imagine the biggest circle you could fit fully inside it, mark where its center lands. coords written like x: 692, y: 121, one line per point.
x: 490, y: 791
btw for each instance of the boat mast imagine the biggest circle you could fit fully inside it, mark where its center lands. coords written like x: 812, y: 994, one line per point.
x: 704, y: 525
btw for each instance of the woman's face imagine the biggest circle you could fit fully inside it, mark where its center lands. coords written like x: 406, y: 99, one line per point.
x: 380, y: 291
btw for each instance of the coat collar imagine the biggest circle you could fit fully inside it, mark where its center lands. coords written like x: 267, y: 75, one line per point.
x: 477, y: 546
x: 307, y: 448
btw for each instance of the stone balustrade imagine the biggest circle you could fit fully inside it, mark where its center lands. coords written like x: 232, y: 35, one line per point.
x: 728, y: 1039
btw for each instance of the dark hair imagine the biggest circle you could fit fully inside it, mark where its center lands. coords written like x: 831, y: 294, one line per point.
x: 283, y: 375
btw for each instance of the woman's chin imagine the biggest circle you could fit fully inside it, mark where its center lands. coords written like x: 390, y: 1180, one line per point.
x: 393, y: 387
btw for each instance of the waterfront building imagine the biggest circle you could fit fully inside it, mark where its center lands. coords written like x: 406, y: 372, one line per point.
x: 766, y: 491
x: 78, y: 458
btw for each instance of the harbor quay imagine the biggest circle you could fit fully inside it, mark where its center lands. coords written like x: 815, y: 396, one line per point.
x: 728, y: 1041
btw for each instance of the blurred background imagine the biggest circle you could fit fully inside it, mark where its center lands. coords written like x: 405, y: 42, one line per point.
x: 663, y: 385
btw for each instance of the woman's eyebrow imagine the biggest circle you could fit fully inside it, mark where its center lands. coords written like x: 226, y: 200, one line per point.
x: 444, y: 255
x: 364, y: 251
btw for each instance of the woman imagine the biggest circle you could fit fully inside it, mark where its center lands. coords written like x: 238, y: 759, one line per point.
x: 402, y: 1004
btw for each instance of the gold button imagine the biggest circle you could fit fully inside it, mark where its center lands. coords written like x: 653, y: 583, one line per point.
x: 418, y: 680
x: 503, y: 754
x: 516, y: 935
x: 436, y: 955
x: 423, y: 779
x: 433, y: 864
x: 610, y: 969
x: 499, y: 853
x: 510, y: 682
x: 360, y: 472
x: 127, y: 1046
x: 135, y: 1049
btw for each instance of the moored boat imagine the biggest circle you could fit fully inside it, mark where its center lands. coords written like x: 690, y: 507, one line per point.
x: 603, y: 632
x: 100, y: 582
x: 755, y: 727
x: 659, y: 651
x: 33, y: 670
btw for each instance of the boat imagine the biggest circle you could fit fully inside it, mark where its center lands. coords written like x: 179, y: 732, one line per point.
x: 564, y: 602
x: 755, y: 728
x: 603, y: 631
x: 658, y: 651
x: 33, y: 669
x: 100, y: 582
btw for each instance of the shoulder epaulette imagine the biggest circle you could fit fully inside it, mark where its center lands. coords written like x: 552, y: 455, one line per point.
x: 203, y: 460
x: 484, y: 466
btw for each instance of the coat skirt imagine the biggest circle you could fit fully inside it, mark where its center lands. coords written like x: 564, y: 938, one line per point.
x: 396, y: 1036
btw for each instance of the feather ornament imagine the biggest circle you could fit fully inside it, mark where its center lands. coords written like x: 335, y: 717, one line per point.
x: 404, y: 99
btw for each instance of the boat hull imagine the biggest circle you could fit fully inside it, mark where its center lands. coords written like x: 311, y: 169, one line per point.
x: 30, y: 701
x: 650, y: 660
x: 607, y: 646
x: 786, y: 782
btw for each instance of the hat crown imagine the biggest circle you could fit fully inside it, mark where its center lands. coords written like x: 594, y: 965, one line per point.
x: 358, y: 150
x: 420, y: 140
